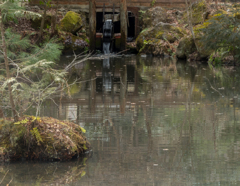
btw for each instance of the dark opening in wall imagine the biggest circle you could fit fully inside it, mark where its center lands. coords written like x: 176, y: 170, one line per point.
x: 99, y: 23
x: 117, y: 26
x: 131, y: 26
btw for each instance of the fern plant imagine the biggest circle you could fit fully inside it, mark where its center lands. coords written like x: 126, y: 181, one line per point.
x: 37, y: 135
x: 31, y: 78
x: 222, y: 34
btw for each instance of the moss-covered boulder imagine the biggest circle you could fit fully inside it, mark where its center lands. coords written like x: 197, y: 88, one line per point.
x: 71, y: 22
x: 42, y: 138
x: 160, y: 39
x: 188, y: 45
x: 198, y: 12
x: 154, y: 16
x: 185, y: 47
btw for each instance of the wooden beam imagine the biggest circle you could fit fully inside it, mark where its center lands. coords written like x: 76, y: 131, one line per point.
x: 123, y: 22
x: 92, y: 24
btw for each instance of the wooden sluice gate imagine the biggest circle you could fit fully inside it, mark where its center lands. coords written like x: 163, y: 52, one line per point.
x: 112, y: 33
x: 123, y: 13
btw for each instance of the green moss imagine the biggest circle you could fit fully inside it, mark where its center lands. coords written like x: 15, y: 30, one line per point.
x: 198, y: 9
x: 46, y: 138
x: 186, y: 47
x: 159, y: 35
x: 160, y: 39
x: 71, y: 22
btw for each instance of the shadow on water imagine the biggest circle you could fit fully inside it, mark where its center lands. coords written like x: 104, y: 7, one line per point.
x: 150, y: 121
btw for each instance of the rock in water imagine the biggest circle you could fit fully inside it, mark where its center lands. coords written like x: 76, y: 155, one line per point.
x: 42, y: 139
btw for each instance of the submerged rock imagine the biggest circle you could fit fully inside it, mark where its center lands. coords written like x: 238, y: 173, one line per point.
x: 41, y: 139
x: 71, y: 22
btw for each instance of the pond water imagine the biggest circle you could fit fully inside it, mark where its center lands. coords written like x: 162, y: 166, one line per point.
x: 150, y: 122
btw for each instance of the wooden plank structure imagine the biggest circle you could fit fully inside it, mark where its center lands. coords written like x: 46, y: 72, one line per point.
x: 92, y: 24
x: 121, y: 6
x: 130, y: 3
x: 123, y: 23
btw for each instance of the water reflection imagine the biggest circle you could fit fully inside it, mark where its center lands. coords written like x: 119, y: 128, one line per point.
x: 30, y: 173
x: 155, y: 121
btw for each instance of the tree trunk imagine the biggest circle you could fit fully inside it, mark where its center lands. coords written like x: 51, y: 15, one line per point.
x: 7, y: 69
x: 54, y: 20
x: 43, y: 21
x: 216, y: 2
x: 92, y: 24
x: 123, y: 22
x: 189, y: 15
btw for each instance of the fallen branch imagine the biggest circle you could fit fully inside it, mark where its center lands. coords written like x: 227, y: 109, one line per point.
x: 4, y: 177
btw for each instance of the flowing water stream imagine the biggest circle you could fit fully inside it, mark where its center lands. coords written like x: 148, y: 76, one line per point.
x: 150, y: 121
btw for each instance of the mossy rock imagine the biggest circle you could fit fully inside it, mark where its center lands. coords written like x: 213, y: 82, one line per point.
x: 71, y: 22
x: 203, y: 53
x: 160, y: 37
x: 42, y: 138
x: 198, y: 11
x: 153, y: 16
x: 185, y: 47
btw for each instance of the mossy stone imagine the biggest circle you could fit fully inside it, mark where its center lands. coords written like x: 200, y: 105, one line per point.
x: 185, y: 47
x: 71, y: 22
x: 42, y: 138
x: 153, y: 16
x: 197, y: 11
x: 151, y: 40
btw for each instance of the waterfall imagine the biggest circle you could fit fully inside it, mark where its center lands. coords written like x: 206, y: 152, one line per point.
x: 106, y: 47
x: 107, y: 36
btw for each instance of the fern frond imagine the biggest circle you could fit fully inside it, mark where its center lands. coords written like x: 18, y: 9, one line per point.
x: 37, y: 135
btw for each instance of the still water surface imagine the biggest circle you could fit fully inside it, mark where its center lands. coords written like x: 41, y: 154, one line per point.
x: 150, y: 122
